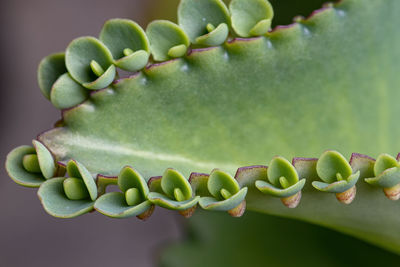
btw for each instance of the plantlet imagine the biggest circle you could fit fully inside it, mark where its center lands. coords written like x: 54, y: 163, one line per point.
x: 223, y: 101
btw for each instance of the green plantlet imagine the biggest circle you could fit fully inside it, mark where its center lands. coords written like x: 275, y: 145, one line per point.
x: 127, y: 42
x: 167, y: 40
x: 283, y: 182
x: 174, y: 192
x: 337, y: 175
x: 387, y: 176
x: 90, y: 63
x: 329, y: 80
x: 205, y: 21
x: 132, y: 201
x: 31, y: 166
x: 50, y: 69
x: 69, y: 197
x: 57, y: 85
x: 226, y: 194
x: 251, y: 17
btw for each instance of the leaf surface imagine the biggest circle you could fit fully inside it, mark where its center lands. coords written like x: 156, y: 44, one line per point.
x: 329, y: 82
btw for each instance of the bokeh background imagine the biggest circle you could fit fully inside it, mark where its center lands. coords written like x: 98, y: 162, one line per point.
x: 30, y: 30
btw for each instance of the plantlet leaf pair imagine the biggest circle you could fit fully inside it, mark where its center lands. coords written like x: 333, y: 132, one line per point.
x: 283, y: 182
x: 31, y: 166
x: 173, y: 191
x: 69, y: 197
x: 132, y: 201
x: 337, y: 176
x: 207, y: 22
x: 226, y: 194
x: 387, y: 175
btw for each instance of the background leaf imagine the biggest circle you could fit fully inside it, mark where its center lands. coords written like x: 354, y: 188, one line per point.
x: 194, y: 114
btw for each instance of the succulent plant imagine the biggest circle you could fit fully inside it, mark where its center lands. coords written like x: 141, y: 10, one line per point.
x: 229, y: 94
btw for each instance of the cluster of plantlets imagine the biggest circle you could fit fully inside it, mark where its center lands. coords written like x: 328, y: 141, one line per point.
x: 222, y: 99
x: 68, y: 197
x: 90, y: 63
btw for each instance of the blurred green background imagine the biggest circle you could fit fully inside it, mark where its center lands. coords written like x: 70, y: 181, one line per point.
x: 33, y: 29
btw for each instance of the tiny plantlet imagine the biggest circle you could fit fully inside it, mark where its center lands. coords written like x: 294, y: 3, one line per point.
x: 215, y: 97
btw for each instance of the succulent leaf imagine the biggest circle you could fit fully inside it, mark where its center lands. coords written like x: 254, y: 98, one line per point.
x: 77, y: 170
x: 127, y: 42
x: 173, y: 180
x: 167, y: 40
x: 49, y: 70
x: 241, y: 102
x: 214, y: 37
x: 114, y: 205
x: 46, y: 160
x: 79, y: 58
x: 272, y: 190
x: 332, y: 167
x: 17, y: 171
x: 387, y: 172
x: 206, y: 22
x: 130, y: 178
x: 251, y: 17
x: 338, y: 186
x: 220, y: 180
x: 280, y: 167
x: 169, y: 203
x: 384, y: 162
x: 212, y: 203
x: 56, y: 203
x: 66, y: 92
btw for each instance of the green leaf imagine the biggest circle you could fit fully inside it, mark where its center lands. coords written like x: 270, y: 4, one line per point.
x: 386, y: 179
x: 384, y: 162
x: 67, y: 93
x: 56, y: 203
x: 77, y: 170
x: 251, y: 17
x: 130, y: 178
x: 212, y: 203
x: 167, y: 40
x: 195, y: 15
x: 168, y: 203
x: 279, y: 167
x: 49, y: 70
x: 46, y: 160
x: 216, y: 240
x: 214, y: 37
x: 75, y: 189
x: 332, y: 163
x: 220, y: 180
x: 267, y: 188
x: 322, y: 84
x: 127, y: 42
x: 16, y: 170
x: 177, y: 51
x: 338, y: 186
x: 79, y: 56
x: 114, y: 205
x: 172, y: 180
